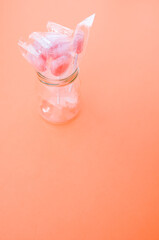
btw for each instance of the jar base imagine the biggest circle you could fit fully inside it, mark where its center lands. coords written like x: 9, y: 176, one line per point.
x: 61, y: 122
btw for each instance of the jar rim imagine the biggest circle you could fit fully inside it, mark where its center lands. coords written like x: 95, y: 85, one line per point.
x: 58, y: 82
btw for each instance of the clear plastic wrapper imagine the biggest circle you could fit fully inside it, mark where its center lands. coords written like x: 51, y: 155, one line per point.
x: 57, y: 28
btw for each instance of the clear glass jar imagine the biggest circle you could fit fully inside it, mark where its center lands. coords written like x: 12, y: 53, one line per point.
x: 59, y: 100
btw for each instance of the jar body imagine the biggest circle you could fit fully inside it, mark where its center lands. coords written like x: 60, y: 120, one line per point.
x: 59, y: 103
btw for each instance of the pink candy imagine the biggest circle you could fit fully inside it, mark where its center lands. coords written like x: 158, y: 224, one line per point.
x: 57, y: 51
x: 60, y: 65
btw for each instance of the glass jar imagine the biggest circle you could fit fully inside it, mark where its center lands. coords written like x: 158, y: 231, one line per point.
x: 59, y: 100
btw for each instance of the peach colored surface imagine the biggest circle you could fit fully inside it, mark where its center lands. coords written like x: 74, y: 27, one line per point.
x: 98, y: 176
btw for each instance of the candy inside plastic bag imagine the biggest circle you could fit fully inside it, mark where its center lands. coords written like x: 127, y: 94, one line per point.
x: 56, y: 52
x: 35, y: 58
x: 81, y: 34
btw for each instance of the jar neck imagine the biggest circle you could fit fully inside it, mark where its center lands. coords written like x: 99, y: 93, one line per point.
x: 58, y: 82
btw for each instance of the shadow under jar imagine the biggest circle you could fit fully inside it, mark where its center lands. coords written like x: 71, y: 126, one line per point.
x: 59, y: 99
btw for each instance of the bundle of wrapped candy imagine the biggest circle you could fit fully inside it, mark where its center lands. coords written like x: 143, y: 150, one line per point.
x: 55, y: 56
x: 55, y: 53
